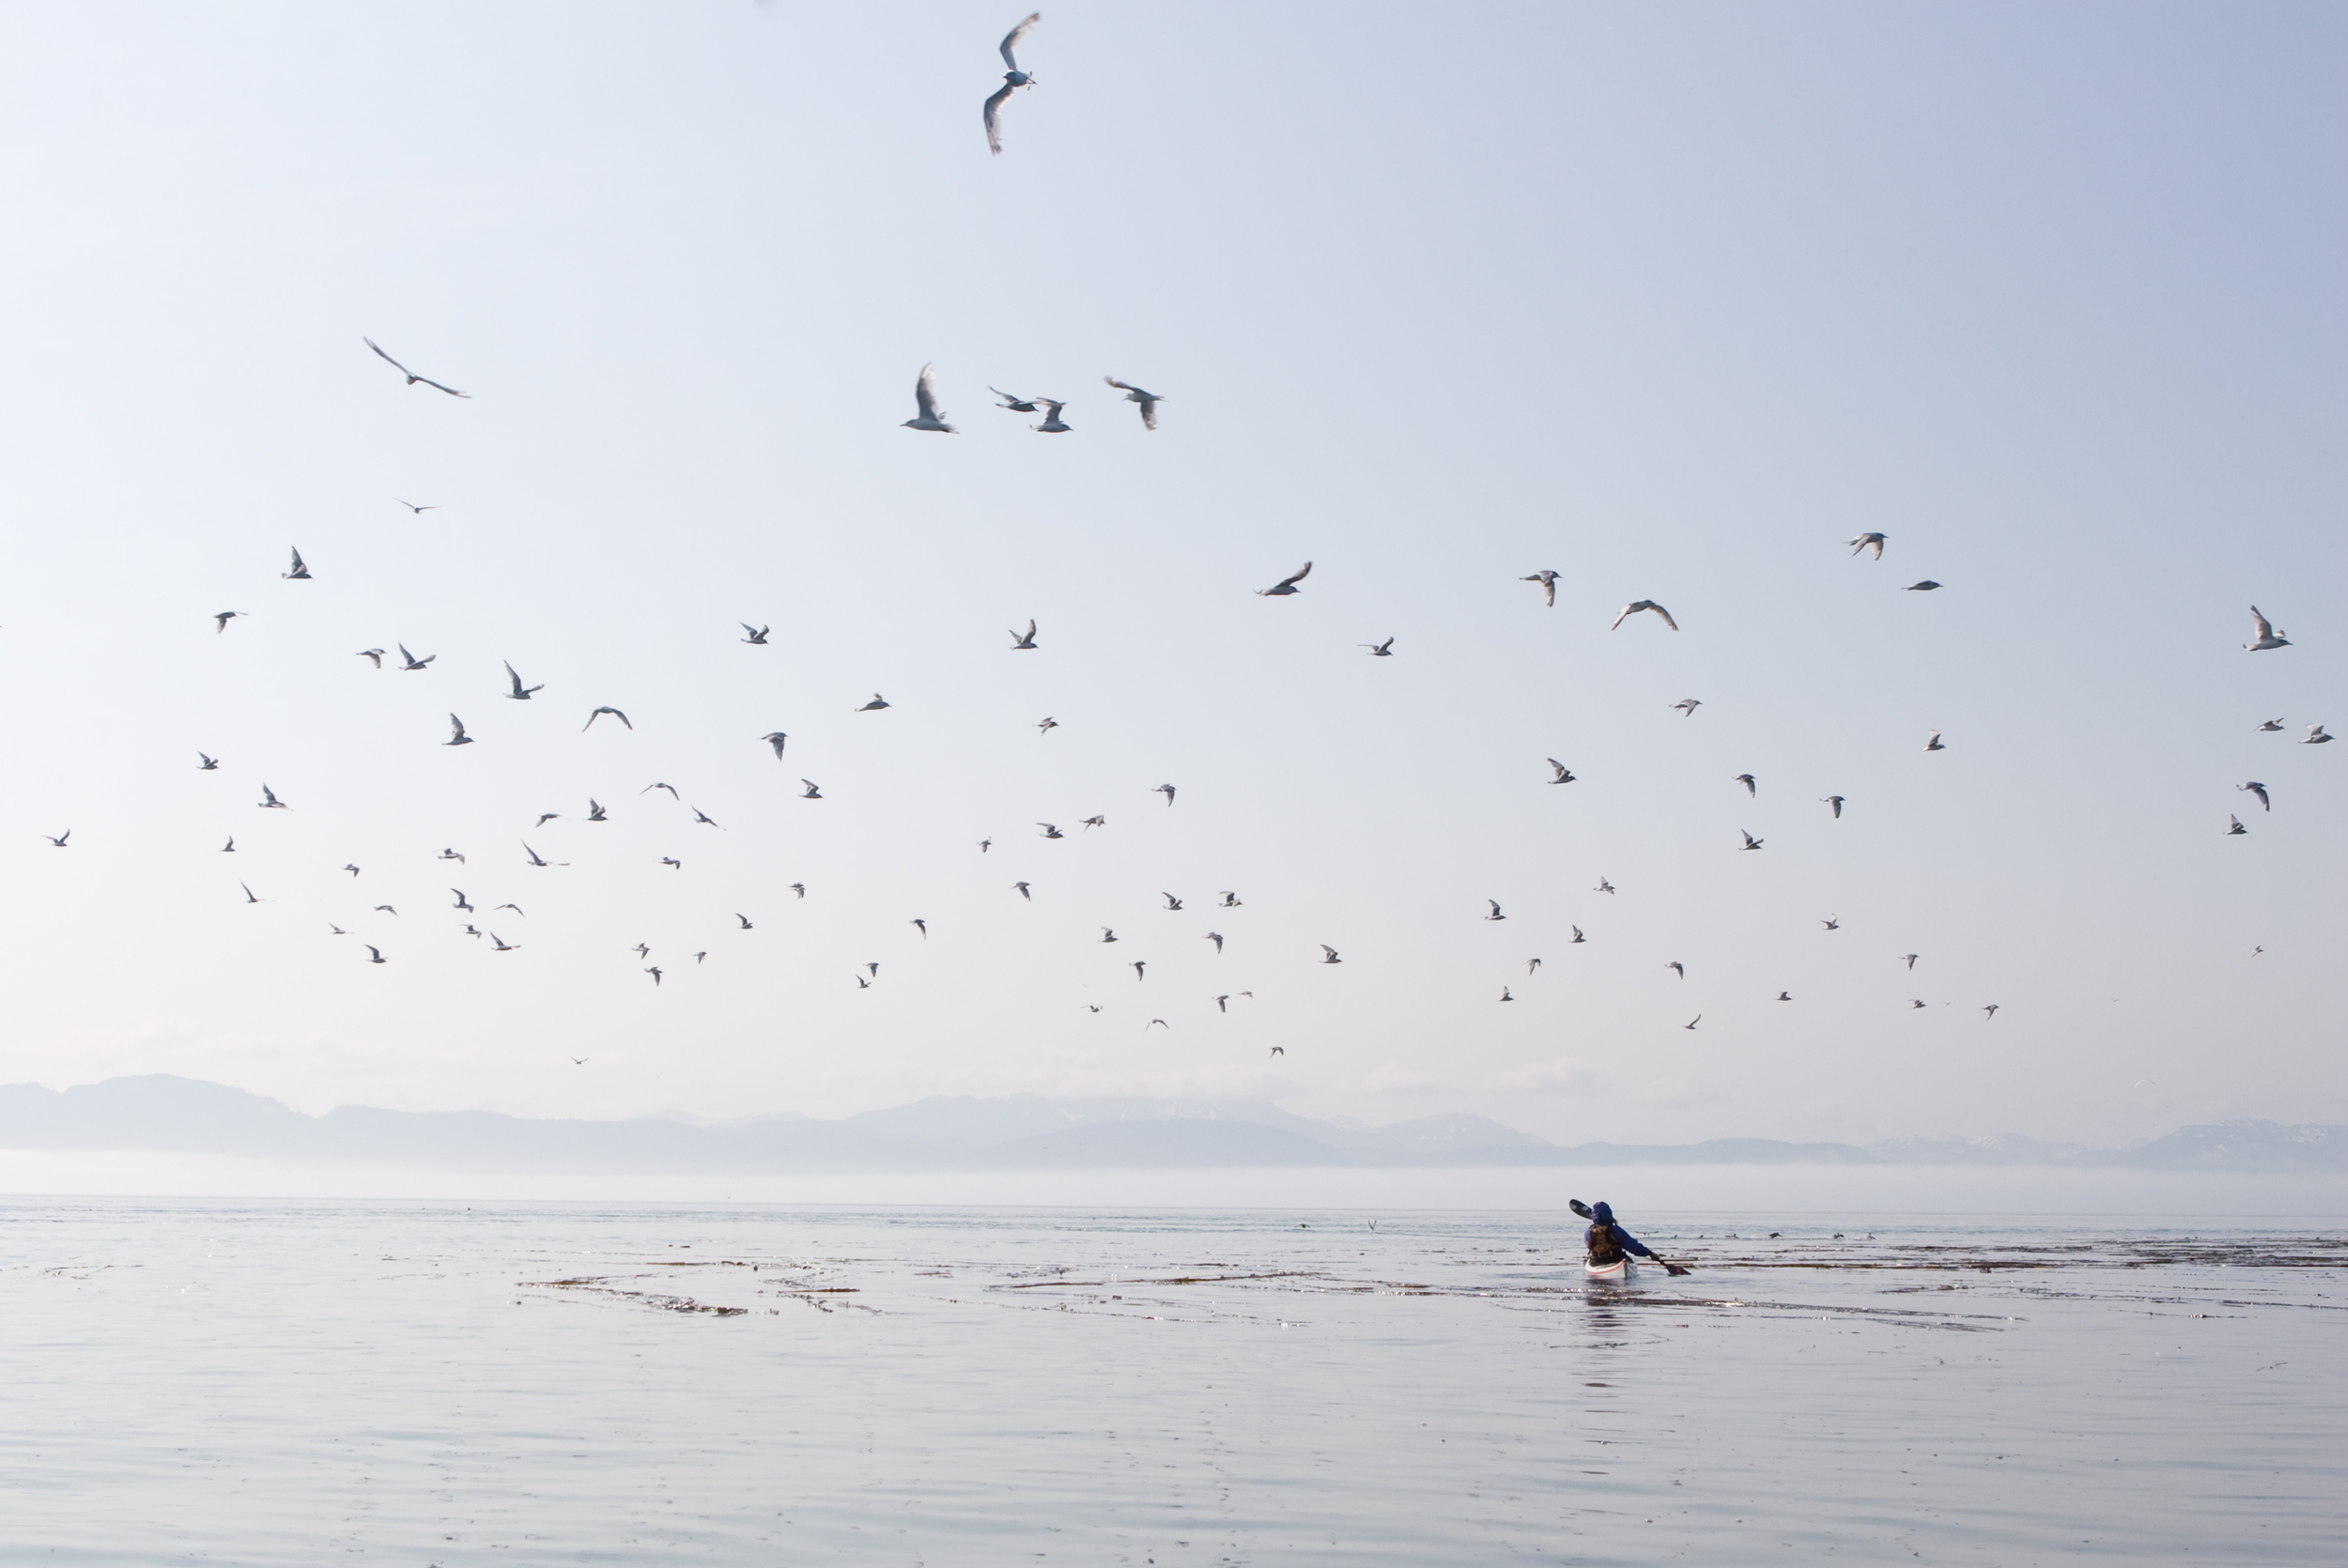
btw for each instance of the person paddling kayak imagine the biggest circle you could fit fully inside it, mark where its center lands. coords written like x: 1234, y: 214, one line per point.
x: 1611, y: 1247
x: 1608, y: 1242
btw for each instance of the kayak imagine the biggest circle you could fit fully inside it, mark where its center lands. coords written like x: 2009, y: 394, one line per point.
x: 1622, y: 1268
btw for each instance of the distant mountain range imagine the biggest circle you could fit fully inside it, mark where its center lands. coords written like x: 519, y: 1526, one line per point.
x: 1011, y: 1132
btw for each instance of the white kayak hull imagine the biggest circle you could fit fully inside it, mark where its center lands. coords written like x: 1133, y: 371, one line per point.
x: 1614, y: 1273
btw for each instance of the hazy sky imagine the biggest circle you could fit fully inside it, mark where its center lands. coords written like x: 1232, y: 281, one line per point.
x: 1671, y: 299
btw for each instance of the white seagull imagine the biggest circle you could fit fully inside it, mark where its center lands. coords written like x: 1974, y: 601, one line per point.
x: 299, y: 573
x: 598, y: 713
x: 1053, y: 424
x: 521, y: 693
x: 2315, y: 736
x: 1286, y: 585
x: 1548, y: 579
x: 1149, y: 401
x: 1635, y: 605
x: 457, y: 735
x: 1866, y: 541
x: 925, y: 398
x: 1023, y: 642
x: 2267, y: 636
x: 413, y: 380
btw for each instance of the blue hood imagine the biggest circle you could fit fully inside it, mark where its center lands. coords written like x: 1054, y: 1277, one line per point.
x: 1601, y: 1214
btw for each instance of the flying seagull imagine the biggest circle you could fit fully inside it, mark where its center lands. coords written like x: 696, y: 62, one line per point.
x: 206, y: 764
x: 1676, y: 968
x: 457, y: 735
x: 462, y: 902
x: 598, y: 713
x: 1746, y: 780
x: 1171, y: 902
x: 546, y: 816
x: 375, y: 953
x: 2258, y: 790
x: 1286, y: 585
x: 799, y: 888
x: 776, y: 739
x: 1379, y: 650
x: 375, y: 653
x: 1166, y: 790
x: 270, y: 801
x: 875, y: 705
x: 810, y: 792
x: 671, y: 788
x: 413, y: 662
x: 1578, y: 936
x: 1932, y: 742
x: 985, y: 844
x: 1925, y: 587
x: 1532, y: 967
x: 1013, y: 79
x: 1329, y: 954
x: 924, y: 927
x: 59, y: 838
x: 2267, y: 636
x: 1107, y: 935
x: 1689, y: 705
x: 220, y: 621
x: 501, y: 946
x: 1750, y: 842
x: 451, y: 855
x: 2271, y: 725
x: 1603, y: 886
x: 595, y: 813
x: 1053, y: 424
x: 428, y: 506
x: 1867, y: 541
x: 1837, y: 802
x: 701, y: 818
x: 1564, y: 774
x: 672, y: 863
x: 413, y: 380
x: 516, y: 909
x: 1230, y: 899
x: 2315, y: 736
x: 757, y: 637
x: 1221, y: 1001
x: 1140, y: 969
x: 1832, y: 922
x: 532, y: 854
x: 1046, y: 725
x: 1023, y: 642
x: 2236, y: 828
x: 229, y: 848
x: 299, y: 573
x: 1784, y: 996
x: 521, y: 693
x: 654, y: 973
x: 1095, y: 821
x: 1017, y: 404
x: 1915, y: 1001
x: 1693, y: 1022
x: 1495, y: 914
x: 1051, y: 832
x: 352, y: 869
x: 925, y: 397
x: 1149, y: 401
x: 1912, y: 960
x: 1635, y: 605
x: 1991, y: 1009
x: 1548, y: 580
x: 250, y: 897
x: 1021, y: 889
x: 1504, y: 995
x: 1216, y: 937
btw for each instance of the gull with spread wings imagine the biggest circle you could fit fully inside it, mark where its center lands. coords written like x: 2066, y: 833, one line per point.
x: 412, y: 377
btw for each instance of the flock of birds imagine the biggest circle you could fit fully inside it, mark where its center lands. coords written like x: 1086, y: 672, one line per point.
x: 931, y: 418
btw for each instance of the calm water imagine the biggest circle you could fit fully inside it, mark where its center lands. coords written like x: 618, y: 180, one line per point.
x: 286, y: 1383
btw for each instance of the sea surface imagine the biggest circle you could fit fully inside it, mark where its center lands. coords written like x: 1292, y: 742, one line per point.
x: 285, y: 1382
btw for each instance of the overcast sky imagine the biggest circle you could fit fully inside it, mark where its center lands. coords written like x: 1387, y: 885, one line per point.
x: 1672, y: 301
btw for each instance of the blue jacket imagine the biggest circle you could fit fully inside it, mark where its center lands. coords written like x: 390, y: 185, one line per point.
x: 1602, y: 1219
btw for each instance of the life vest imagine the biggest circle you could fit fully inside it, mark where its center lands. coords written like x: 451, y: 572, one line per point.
x: 1604, y: 1247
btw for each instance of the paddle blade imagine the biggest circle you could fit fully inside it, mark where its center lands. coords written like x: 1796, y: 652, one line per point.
x: 1579, y: 1206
